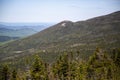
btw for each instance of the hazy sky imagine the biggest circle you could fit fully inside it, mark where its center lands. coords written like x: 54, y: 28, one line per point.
x: 54, y: 10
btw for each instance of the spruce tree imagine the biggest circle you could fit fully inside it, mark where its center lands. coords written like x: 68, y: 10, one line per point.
x: 61, y: 67
x: 14, y: 75
x: 5, y: 72
x: 38, y: 71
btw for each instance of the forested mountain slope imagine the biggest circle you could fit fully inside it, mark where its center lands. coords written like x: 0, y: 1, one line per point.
x: 84, y: 36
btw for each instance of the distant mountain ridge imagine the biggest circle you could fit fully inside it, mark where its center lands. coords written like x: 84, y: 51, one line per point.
x: 16, y: 33
x: 83, y: 36
x: 34, y: 26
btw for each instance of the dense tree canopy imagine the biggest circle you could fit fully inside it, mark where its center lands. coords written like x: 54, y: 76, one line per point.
x: 69, y: 66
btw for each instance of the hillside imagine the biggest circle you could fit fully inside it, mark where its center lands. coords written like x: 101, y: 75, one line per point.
x: 83, y: 36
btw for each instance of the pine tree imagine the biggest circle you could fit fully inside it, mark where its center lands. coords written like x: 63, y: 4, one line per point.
x: 116, y: 61
x: 5, y: 72
x: 100, y: 66
x: 38, y: 71
x: 14, y: 75
x: 109, y: 73
x: 116, y: 57
x: 61, y: 67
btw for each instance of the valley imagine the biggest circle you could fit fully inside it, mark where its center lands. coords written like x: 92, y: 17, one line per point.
x: 13, y: 31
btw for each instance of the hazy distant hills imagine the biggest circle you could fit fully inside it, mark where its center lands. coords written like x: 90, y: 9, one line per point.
x: 34, y: 26
x: 20, y: 30
x: 11, y: 34
x: 84, y: 36
x: 16, y: 33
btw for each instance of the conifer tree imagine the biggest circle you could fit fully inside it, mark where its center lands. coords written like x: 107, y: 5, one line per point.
x: 5, y: 72
x: 61, y: 67
x: 109, y: 74
x: 116, y: 57
x: 38, y: 71
x: 14, y: 75
x: 99, y: 66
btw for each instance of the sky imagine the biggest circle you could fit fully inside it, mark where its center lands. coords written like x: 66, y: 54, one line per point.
x: 55, y: 10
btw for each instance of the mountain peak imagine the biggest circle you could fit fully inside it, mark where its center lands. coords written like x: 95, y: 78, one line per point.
x: 66, y: 21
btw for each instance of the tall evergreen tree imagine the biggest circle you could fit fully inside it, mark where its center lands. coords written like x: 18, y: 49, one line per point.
x: 116, y: 57
x: 61, y: 67
x: 14, y: 75
x: 38, y: 71
x: 5, y: 72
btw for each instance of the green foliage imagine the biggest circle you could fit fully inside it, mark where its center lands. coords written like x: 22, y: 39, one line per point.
x: 14, y: 75
x: 61, y: 67
x: 5, y: 73
x: 38, y: 71
x: 116, y: 57
x: 100, y: 66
